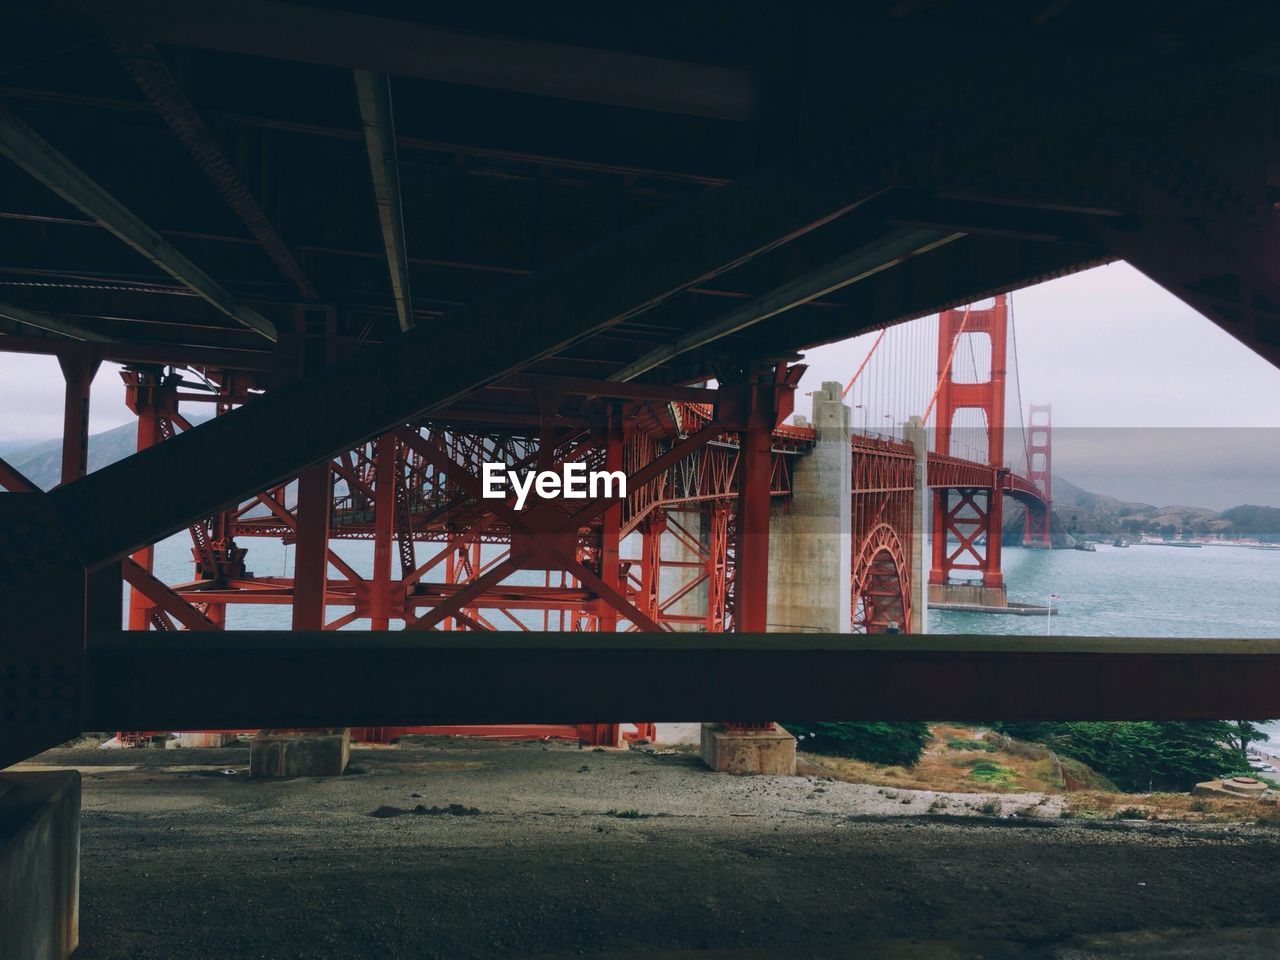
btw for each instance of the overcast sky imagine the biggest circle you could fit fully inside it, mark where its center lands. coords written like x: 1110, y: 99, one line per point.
x: 1108, y: 348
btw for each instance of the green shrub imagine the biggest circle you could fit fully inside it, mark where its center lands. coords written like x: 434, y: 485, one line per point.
x: 896, y: 744
x: 990, y: 772
x: 957, y: 744
x: 1130, y: 813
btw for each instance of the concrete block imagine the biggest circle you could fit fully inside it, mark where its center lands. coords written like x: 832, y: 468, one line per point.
x: 726, y: 750
x: 39, y: 864
x: 202, y: 740
x: 299, y: 753
x: 1234, y: 787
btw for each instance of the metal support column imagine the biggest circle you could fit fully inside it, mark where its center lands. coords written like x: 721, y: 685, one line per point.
x: 150, y: 400
x: 78, y: 371
x: 310, y: 574
x: 384, y: 492
x: 752, y: 552
x: 610, y: 529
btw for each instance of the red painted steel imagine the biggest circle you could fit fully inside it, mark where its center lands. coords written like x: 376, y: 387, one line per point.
x: 1036, y: 529
x: 702, y: 481
x: 970, y: 516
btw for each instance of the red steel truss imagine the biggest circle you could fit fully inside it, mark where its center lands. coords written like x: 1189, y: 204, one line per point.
x: 968, y: 496
x: 704, y: 468
x: 883, y: 530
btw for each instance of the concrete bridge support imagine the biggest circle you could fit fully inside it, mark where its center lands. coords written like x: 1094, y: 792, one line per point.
x: 914, y: 433
x: 810, y: 560
x: 810, y: 538
x: 39, y: 865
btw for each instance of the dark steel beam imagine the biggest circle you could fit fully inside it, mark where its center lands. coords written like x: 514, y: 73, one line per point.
x: 34, y: 154
x: 849, y: 269
x: 584, y: 386
x: 153, y: 77
x: 959, y: 273
x: 52, y: 322
x: 178, y: 354
x: 377, y: 118
x: 538, y: 160
x: 139, y: 681
x: 291, y: 31
x: 392, y: 383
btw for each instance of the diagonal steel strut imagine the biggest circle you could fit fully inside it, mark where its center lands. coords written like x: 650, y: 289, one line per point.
x: 140, y: 499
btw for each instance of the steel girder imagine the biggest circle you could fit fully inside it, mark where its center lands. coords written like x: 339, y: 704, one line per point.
x: 145, y: 682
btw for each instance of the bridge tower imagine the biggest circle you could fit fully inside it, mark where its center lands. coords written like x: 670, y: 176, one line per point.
x: 967, y: 520
x: 1036, y: 531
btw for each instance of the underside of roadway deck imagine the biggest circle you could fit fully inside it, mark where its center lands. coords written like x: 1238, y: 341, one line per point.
x: 470, y: 849
x: 353, y: 217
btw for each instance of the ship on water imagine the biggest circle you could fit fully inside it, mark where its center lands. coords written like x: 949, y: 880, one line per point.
x: 1185, y: 544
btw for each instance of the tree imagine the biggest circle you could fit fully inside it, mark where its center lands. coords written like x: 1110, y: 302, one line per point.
x: 1243, y: 733
x: 1252, y: 520
x: 1148, y: 755
x: 899, y: 744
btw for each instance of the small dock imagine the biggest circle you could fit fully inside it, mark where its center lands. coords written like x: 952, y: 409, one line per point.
x: 1015, y: 609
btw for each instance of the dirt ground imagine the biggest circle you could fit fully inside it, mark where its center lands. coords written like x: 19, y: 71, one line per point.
x: 454, y: 848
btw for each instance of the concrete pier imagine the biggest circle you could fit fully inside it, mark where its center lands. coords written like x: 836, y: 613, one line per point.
x: 966, y: 595
x: 299, y: 753
x: 810, y: 560
x: 810, y: 538
x: 729, y: 750
x: 914, y: 433
x: 39, y: 865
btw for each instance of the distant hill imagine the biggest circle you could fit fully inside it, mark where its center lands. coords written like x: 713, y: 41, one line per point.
x: 9, y: 446
x: 1082, y: 514
x: 1263, y: 521
x: 41, y: 463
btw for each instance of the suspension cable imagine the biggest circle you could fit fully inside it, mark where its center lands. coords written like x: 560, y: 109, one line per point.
x: 862, y: 366
x: 1017, y: 373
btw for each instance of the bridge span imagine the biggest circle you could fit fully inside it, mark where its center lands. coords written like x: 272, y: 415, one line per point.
x: 664, y: 557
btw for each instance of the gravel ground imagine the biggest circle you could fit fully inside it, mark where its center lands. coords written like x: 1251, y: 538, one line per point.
x: 451, y: 848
